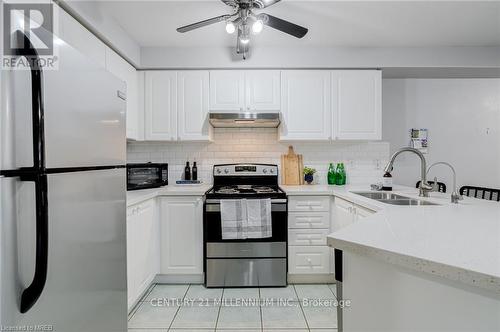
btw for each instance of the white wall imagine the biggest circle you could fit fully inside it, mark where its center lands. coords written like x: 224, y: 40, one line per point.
x: 463, y: 118
x: 105, y: 27
x: 363, y: 160
x: 321, y: 57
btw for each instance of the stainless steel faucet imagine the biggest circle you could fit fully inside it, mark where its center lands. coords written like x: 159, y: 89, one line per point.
x: 455, y: 196
x: 425, y: 187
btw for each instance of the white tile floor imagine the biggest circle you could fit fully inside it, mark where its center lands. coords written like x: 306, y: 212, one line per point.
x: 236, y: 309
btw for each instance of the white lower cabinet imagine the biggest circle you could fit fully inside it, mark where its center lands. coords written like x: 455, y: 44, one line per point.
x: 181, y: 233
x: 308, y: 259
x: 346, y: 213
x: 308, y: 226
x: 142, y: 248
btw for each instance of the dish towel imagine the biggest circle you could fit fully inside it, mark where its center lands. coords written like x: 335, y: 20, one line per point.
x: 233, y: 218
x: 259, y: 223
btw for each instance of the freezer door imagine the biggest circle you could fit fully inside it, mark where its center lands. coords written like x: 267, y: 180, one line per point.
x: 86, y: 281
x: 84, y: 113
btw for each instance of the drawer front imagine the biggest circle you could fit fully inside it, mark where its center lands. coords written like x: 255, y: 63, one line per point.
x: 309, y: 203
x: 307, y: 237
x: 309, y: 220
x: 308, y: 259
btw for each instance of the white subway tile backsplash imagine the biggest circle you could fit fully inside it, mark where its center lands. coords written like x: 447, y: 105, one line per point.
x: 363, y: 160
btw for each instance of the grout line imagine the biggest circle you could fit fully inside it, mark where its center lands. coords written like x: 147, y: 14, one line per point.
x: 220, y: 308
x: 331, y: 290
x: 260, y: 309
x: 178, y: 308
x: 302, y: 309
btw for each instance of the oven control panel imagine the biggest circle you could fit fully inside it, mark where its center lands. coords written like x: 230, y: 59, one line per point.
x: 245, y: 169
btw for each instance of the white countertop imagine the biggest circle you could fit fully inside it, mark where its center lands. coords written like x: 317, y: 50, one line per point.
x: 138, y: 196
x: 460, y: 242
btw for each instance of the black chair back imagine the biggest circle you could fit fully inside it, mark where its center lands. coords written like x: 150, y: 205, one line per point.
x: 441, y: 186
x: 481, y: 193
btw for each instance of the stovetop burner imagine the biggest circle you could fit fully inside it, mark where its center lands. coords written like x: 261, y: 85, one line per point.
x: 234, y: 181
x: 245, y: 189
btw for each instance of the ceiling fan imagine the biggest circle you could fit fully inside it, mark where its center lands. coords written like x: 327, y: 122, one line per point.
x: 245, y: 21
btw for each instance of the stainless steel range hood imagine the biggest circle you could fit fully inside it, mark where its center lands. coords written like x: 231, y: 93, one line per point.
x: 245, y: 120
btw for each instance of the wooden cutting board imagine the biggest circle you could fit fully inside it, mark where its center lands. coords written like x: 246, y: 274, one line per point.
x: 292, y: 168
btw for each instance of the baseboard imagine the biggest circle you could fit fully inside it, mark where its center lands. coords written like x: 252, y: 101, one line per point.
x: 143, y: 293
x: 311, y: 278
x: 179, y: 279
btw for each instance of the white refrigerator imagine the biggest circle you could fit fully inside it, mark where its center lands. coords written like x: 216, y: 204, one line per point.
x: 62, y: 198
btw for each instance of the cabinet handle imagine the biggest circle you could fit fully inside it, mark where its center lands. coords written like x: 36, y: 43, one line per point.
x: 178, y: 138
x: 309, y: 260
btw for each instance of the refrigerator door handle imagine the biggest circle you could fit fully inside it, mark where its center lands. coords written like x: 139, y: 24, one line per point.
x: 37, y: 105
x: 31, y: 294
x: 36, y: 174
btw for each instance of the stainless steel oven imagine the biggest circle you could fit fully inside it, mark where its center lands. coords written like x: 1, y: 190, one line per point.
x: 245, y: 262
x: 148, y: 175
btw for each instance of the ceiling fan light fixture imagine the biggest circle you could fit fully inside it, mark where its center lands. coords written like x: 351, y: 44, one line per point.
x: 230, y: 27
x: 257, y: 26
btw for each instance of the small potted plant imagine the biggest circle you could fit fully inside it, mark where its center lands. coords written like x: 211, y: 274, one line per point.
x: 309, y: 174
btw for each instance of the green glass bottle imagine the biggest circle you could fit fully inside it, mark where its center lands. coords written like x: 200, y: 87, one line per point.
x: 331, y: 174
x: 341, y: 176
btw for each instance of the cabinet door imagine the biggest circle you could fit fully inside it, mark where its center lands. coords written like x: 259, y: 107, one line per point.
x: 161, y: 105
x: 262, y: 90
x: 227, y: 90
x: 306, y: 105
x: 181, y: 229
x: 362, y: 212
x: 343, y: 214
x: 146, y: 244
x: 192, y: 115
x: 132, y: 256
x: 308, y: 259
x: 124, y: 71
x: 356, y: 98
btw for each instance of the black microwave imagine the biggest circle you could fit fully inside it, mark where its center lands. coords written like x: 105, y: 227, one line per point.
x: 149, y: 175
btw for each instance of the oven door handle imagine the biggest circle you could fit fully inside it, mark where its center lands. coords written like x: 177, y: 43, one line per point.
x: 215, y: 207
x: 273, y: 201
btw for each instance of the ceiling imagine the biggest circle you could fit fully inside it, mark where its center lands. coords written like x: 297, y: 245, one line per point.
x: 330, y: 23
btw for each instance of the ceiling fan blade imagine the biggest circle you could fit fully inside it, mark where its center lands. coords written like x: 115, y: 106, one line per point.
x: 282, y: 25
x: 231, y: 3
x: 264, y: 3
x: 204, y: 23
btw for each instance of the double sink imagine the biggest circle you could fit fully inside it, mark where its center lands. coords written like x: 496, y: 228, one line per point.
x: 394, y: 199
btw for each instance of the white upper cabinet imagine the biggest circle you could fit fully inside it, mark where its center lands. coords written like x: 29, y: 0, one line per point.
x: 245, y: 91
x: 227, y: 90
x: 357, y: 109
x: 124, y: 71
x: 262, y: 90
x: 192, y: 105
x: 160, y: 106
x: 306, y: 105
